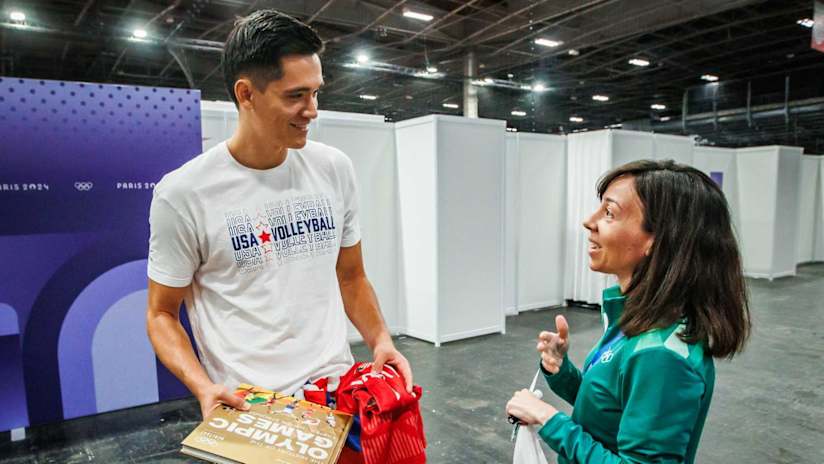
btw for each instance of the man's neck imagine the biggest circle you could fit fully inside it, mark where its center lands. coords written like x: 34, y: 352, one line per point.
x: 255, y: 152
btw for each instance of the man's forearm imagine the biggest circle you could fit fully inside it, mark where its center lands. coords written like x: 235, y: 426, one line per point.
x: 174, y: 349
x: 361, y: 305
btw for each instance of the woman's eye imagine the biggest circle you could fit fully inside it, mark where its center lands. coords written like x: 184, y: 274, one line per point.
x: 609, y: 213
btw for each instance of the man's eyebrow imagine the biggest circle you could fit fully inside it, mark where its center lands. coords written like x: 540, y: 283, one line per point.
x: 302, y: 89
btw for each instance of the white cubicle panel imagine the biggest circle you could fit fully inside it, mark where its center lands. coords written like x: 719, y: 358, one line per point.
x: 808, y: 206
x: 541, y: 207
x: 218, y: 120
x: 629, y: 146
x: 451, y: 188
x: 818, y: 251
x: 370, y: 143
x: 675, y: 147
x: 720, y: 164
x: 511, y: 195
x: 768, y: 197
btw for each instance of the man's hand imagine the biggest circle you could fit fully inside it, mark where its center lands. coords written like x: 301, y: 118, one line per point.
x: 386, y: 353
x: 553, y: 346
x: 532, y: 411
x: 214, y: 395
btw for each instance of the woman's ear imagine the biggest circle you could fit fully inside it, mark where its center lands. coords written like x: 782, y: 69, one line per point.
x: 648, y: 246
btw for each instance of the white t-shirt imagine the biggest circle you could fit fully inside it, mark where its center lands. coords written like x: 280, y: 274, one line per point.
x: 259, y: 248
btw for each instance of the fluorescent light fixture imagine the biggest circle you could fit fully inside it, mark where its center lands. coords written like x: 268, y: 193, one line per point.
x: 510, y: 76
x: 139, y: 34
x: 518, y: 113
x: 573, y: 52
x: 709, y: 77
x: 453, y: 106
x: 526, y: 87
x: 576, y: 119
x: 665, y: 118
x: 512, y: 129
x: 600, y: 98
x: 18, y: 16
x: 418, y: 16
x: 639, y: 62
x: 538, y: 87
x: 658, y: 106
x: 548, y: 42
x: 368, y: 97
x: 362, y: 58
x: 806, y: 22
x: 431, y: 69
x: 615, y: 126
x: 489, y: 80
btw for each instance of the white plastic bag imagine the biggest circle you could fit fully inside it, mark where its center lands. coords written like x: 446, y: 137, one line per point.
x: 527, y: 443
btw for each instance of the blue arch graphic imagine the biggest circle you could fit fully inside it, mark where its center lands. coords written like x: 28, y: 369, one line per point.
x: 74, y: 346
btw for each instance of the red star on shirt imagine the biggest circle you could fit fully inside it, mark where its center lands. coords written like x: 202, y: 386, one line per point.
x: 264, y: 237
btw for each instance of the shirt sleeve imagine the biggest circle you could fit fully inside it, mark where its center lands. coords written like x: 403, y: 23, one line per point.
x: 566, y: 382
x: 173, y: 250
x: 350, y: 236
x: 661, y: 398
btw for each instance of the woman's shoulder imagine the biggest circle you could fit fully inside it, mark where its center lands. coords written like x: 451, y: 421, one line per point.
x: 666, y: 343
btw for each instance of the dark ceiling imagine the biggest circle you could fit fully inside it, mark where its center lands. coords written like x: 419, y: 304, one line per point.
x: 771, y: 89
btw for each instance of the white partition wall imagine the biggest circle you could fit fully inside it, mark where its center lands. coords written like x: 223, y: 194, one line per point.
x: 218, y: 120
x: 370, y: 144
x: 768, y: 181
x: 535, y: 211
x: 629, y: 146
x: 451, y: 187
x: 811, y: 210
x: 720, y: 164
x: 589, y: 156
x: 674, y: 147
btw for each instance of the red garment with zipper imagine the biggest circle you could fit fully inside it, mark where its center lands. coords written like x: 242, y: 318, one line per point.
x: 391, y: 423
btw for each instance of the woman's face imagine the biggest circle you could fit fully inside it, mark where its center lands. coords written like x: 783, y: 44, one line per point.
x: 617, y: 239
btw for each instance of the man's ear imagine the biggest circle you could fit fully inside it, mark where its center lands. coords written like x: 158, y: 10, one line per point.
x: 244, y: 91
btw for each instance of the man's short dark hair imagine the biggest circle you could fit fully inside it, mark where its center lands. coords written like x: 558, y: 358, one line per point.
x: 258, y: 42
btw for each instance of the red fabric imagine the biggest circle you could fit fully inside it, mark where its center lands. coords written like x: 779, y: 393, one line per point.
x: 391, y: 423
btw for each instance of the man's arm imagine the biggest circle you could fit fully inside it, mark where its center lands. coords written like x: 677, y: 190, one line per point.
x: 174, y: 349
x: 361, y: 305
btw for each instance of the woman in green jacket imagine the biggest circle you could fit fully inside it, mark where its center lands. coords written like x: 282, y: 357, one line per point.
x: 643, y: 393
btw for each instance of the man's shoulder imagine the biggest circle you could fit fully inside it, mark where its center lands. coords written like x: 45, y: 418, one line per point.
x: 321, y: 152
x: 188, y: 175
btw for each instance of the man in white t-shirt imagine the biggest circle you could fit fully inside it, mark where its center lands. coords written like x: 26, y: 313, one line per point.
x: 260, y: 237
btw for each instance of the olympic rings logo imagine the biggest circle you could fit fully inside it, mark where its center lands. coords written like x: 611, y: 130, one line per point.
x: 83, y: 186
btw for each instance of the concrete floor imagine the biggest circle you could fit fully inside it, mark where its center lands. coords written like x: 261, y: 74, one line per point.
x: 768, y: 405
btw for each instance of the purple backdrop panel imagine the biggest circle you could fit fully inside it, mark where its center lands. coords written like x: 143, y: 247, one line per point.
x: 718, y: 177
x: 76, y: 177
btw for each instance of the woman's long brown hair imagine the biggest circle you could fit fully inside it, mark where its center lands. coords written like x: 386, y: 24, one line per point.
x: 694, y: 270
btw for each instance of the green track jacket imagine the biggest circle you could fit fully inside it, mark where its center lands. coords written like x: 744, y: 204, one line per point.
x: 645, y: 401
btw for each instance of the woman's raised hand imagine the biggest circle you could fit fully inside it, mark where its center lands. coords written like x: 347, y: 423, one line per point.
x: 553, y: 346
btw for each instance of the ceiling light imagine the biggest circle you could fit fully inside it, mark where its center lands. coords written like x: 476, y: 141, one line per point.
x: 489, y: 80
x: 639, y: 62
x: 512, y: 129
x: 518, y: 113
x: 538, y: 87
x: 18, y: 16
x: 600, y: 98
x: 665, y: 118
x: 526, y: 87
x: 362, y: 58
x: 548, y: 42
x: 139, y: 33
x: 454, y: 106
x: 573, y: 52
x: 431, y: 69
x: 510, y: 76
x: 418, y: 16
x: 576, y: 119
x: 614, y: 126
x: 658, y: 106
x: 709, y: 77
x: 806, y: 22
x: 368, y: 97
